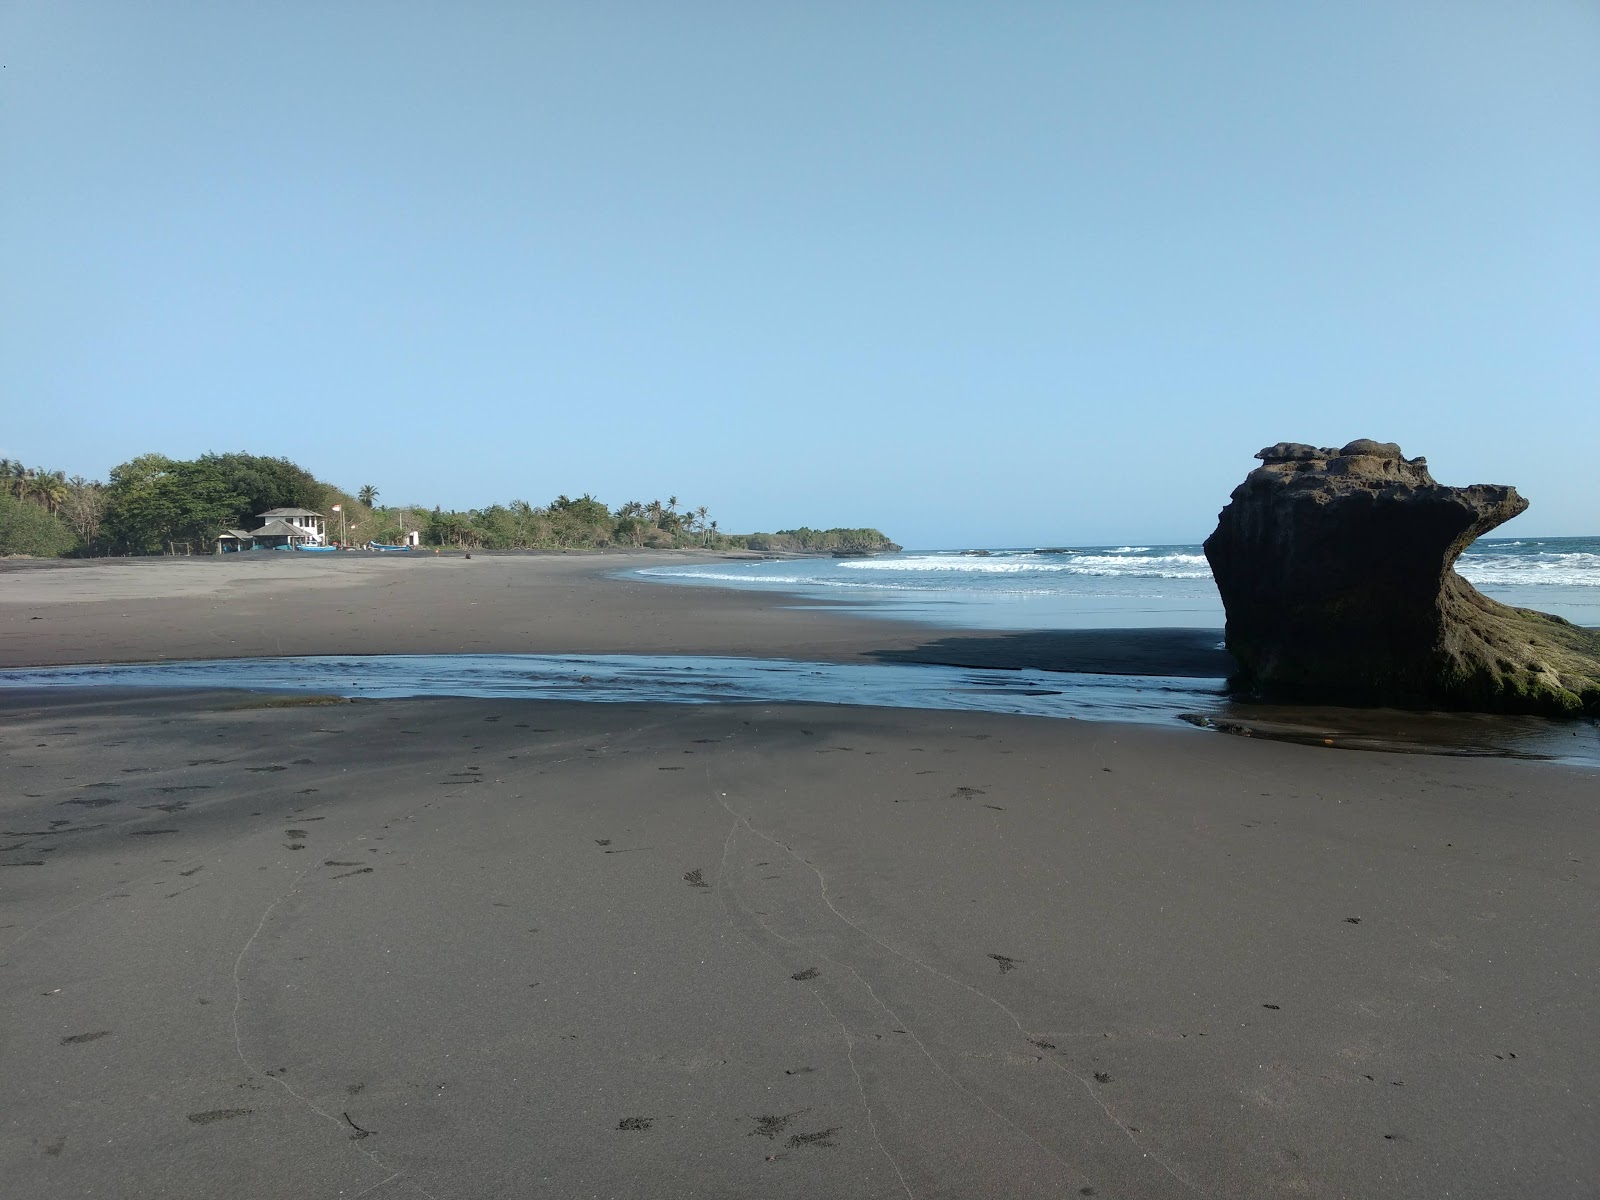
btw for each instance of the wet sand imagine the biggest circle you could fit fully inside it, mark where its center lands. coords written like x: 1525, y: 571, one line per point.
x: 487, y: 948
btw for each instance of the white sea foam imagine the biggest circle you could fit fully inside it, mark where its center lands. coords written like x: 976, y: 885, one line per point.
x: 1517, y: 570
x: 710, y: 575
x: 1163, y: 566
x: 699, y: 575
x: 1080, y: 587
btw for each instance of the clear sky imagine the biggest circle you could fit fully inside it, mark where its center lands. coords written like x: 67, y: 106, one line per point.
x: 983, y: 273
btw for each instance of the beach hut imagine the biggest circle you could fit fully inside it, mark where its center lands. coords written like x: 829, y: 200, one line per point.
x: 280, y: 535
x: 231, y: 541
x: 308, y: 526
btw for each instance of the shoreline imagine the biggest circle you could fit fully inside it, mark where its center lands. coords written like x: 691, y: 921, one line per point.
x: 164, y: 609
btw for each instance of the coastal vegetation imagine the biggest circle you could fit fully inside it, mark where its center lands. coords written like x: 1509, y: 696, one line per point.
x: 153, y: 504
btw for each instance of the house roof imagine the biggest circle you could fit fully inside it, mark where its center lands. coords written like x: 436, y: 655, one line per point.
x: 288, y: 512
x: 241, y: 534
x: 279, y: 529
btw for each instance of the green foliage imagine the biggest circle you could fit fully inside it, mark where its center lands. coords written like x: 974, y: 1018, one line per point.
x: 818, y: 541
x: 265, y: 483
x: 153, y: 501
x: 27, y: 528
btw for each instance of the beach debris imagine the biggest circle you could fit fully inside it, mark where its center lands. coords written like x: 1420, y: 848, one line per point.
x: 1336, y: 568
x: 1007, y: 964
x: 636, y: 1124
x: 695, y: 878
x: 808, y: 973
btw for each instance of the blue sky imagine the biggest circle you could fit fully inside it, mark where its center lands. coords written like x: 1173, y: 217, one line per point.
x: 988, y: 273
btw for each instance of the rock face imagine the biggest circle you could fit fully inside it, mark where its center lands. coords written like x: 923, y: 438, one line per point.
x: 1336, y: 570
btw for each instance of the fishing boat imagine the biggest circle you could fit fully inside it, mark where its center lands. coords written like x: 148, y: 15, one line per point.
x: 388, y: 549
x: 304, y: 549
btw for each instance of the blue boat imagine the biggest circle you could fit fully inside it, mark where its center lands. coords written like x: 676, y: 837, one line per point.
x: 387, y: 549
x: 317, y: 549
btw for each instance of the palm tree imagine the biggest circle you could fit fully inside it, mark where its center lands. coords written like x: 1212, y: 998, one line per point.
x: 672, y: 504
x: 15, y: 478
x: 367, y: 495
x: 51, y: 489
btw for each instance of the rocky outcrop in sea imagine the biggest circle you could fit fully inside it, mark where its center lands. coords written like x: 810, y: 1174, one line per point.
x: 1336, y: 568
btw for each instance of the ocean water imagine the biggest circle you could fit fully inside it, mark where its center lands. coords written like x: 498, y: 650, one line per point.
x: 1112, y: 587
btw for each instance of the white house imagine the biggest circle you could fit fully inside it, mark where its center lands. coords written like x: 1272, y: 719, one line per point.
x: 289, y: 527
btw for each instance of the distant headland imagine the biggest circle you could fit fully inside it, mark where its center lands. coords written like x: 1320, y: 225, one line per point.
x: 153, y: 504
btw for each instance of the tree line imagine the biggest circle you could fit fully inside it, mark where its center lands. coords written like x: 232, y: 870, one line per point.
x: 153, y: 504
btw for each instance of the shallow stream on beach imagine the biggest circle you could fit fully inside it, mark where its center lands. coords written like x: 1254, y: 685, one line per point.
x: 686, y: 679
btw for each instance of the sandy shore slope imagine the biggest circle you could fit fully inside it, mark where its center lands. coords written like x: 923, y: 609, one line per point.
x: 139, y: 610
x: 262, y: 948
x: 481, y: 948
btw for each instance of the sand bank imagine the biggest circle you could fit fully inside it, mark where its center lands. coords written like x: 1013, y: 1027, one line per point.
x: 142, y: 610
x: 496, y: 948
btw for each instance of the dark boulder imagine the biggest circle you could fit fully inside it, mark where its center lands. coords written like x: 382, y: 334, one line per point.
x: 1336, y: 568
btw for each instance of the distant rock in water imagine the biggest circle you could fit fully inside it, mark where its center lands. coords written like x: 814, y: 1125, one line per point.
x: 1336, y: 568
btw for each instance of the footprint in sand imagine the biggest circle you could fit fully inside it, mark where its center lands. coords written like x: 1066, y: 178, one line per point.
x: 822, y: 1137
x: 219, y: 1114
x: 772, y: 1125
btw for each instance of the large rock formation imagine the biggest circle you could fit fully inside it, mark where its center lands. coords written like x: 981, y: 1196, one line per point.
x: 1336, y: 570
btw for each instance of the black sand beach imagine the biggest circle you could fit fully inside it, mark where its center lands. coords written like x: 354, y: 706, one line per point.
x: 254, y: 947
x: 146, y: 610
